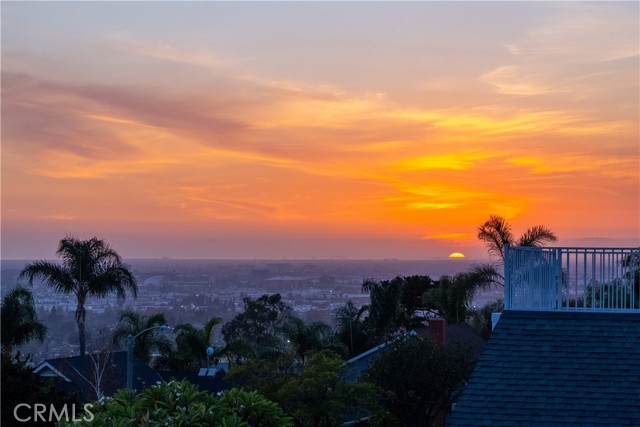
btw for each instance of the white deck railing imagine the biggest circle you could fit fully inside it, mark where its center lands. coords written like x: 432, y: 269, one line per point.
x: 593, y: 279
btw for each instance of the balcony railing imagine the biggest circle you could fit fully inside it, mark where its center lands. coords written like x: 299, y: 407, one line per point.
x: 589, y: 279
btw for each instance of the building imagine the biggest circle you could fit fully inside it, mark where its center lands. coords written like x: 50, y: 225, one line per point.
x: 566, y: 350
x: 92, y: 376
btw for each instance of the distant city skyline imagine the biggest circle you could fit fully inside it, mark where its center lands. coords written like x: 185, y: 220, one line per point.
x: 300, y: 130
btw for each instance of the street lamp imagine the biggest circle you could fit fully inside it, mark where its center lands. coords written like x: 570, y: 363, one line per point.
x: 131, y: 339
x: 210, y: 351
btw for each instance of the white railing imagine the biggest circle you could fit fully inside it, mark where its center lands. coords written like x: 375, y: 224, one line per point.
x: 593, y: 279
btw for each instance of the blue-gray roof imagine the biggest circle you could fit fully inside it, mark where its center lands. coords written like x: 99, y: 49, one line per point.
x: 556, y: 369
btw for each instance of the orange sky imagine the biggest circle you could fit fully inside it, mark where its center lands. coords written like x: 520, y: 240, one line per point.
x: 293, y: 130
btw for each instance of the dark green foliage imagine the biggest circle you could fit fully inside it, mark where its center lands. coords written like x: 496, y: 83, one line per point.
x: 352, y: 329
x: 265, y: 376
x: 305, y: 338
x: 632, y: 264
x: 313, y: 394
x: 258, y: 330
x: 318, y: 397
x: 182, y: 404
x: 153, y: 340
x: 21, y: 385
x: 452, y: 296
x: 394, y: 303
x: 20, y: 322
x: 89, y: 268
x: 191, y: 347
x: 420, y: 379
x: 481, y: 319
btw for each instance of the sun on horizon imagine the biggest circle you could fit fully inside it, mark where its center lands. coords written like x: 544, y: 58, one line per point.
x: 456, y: 255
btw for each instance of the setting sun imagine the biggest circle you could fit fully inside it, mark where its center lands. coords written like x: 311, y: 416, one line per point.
x: 456, y: 255
x: 277, y: 130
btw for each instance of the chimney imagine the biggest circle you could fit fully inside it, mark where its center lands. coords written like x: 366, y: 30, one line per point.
x: 438, y: 330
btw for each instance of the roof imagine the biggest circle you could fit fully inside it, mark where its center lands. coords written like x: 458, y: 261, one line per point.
x: 556, y: 368
x: 211, y: 384
x: 80, y: 370
x: 353, y: 368
x: 461, y: 333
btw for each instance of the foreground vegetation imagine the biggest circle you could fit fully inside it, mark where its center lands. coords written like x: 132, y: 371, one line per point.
x: 285, y: 371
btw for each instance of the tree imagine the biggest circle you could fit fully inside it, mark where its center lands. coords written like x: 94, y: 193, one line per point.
x: 260, y: 326
x: 419, y: 378
x: 100, y: 363
x: 132, y: 323
x: 452, y: 296
x: 306, y: 338
x: 496, y: 233
x: 20, y: 322
x: 182, y: 404
x: 351, y: 328
x: 266, y: 376
x: 318, y: 396
x: 395, y: 303
x: 192, y: 344
x: 21, y: 385
x: 90, y: 268
x: 481, y: 319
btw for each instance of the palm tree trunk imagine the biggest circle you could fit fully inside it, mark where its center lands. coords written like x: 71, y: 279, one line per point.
x: 81, y: 336
x: 80, y: 316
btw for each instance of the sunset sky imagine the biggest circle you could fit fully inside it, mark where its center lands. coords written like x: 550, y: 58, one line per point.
x: 302, y: 130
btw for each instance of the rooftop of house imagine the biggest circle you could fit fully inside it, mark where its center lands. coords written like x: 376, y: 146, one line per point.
x: 560, y: 368
x: 455, y: 333
x: 78, y: 374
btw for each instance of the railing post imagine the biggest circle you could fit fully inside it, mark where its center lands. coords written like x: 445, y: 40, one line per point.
x: 558, y: 282
x: 507, y: 279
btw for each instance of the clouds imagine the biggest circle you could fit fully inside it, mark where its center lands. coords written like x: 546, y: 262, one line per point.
x: 144, y: 131
x: 579, y: 50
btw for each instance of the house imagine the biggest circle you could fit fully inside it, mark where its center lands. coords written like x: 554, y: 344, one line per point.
x: 436, y: 329
x: 566, y: 350
x: 91, y: 376
x: 211, y: 380
x: 353, y: 368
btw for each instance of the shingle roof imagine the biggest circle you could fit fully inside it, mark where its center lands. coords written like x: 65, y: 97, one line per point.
x: 556, y: 369
x: 80, y: 370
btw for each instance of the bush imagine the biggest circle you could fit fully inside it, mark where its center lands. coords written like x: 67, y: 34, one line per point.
x: 182, y: 404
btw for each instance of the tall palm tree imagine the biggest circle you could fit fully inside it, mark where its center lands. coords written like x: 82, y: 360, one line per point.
x: 496, y: 233
x: 20, y: 322
x: 132, y: 323
x: 90, y: 268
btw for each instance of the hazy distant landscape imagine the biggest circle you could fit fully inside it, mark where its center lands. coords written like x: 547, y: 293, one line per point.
x: 195, y: 290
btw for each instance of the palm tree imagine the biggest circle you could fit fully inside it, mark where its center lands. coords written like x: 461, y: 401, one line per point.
x: 89, y: 268
x: 306, y: 338
x: 386, y: 312
x: 496, y: 233
x: 132, y: 323
x: 351, y: 329
x: 192, y: 343
x: 452, y: 297
x: 20, y: 322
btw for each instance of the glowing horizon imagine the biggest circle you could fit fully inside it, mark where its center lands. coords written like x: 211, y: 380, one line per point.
x: 302, y: 130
